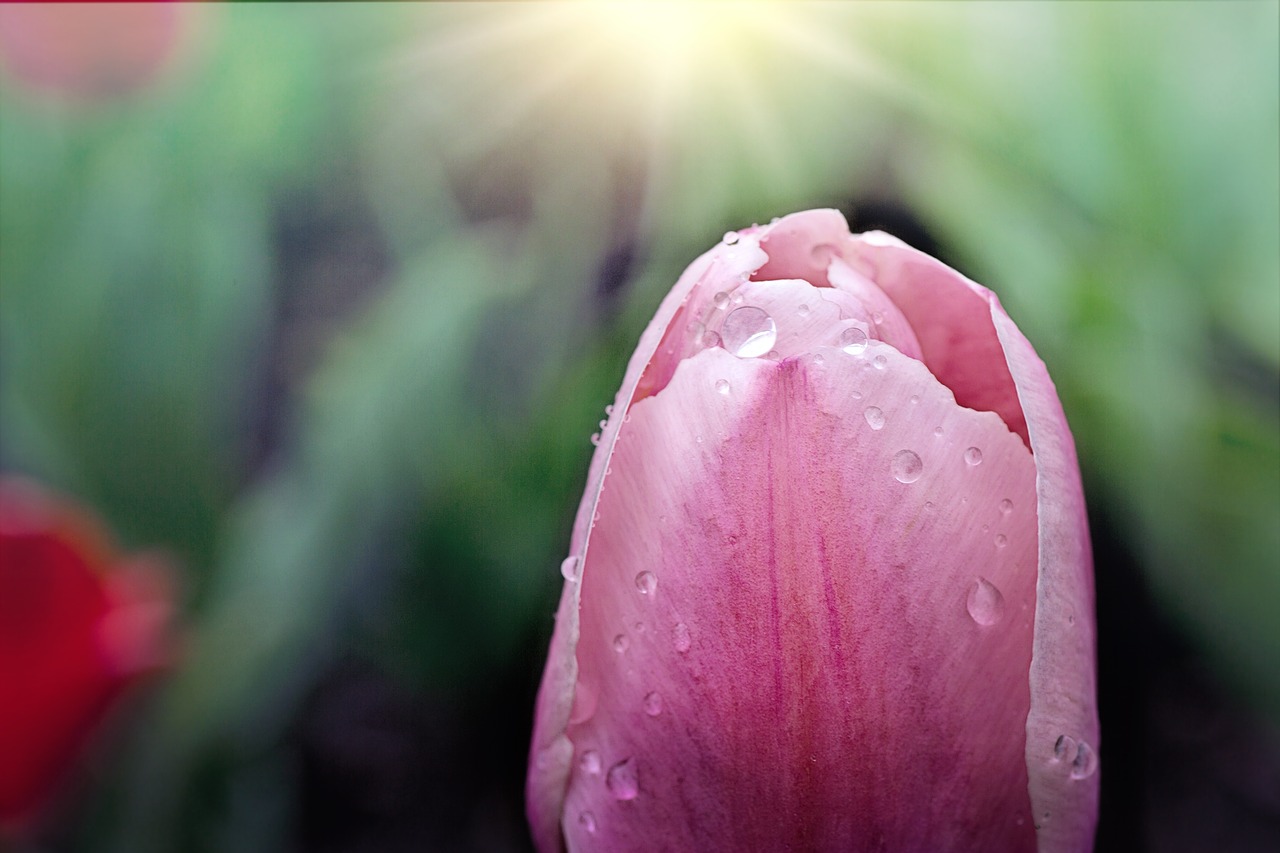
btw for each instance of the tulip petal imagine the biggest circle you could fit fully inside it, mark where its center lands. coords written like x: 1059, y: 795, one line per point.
x: 782, y: 619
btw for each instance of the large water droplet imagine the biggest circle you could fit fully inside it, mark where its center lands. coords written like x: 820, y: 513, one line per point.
x: 589, y: 763
x: 722, y: 385
x: 680, y: 638
x: 646, y: 582
x: 985, y: 603
x: 621, y: 780
x: 853, y: 340
x: 906, y: 466
x: 588, y: 821
x: 569, y: 568
x: 621, y: 643
x: 1085, y: 763
x: 874, y: 416
x: 748, y: 332
x: 973, y: 456
x: 652, y: 704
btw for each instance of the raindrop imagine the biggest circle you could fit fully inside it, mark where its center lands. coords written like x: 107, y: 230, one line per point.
x: 875, y: 418
x: 608, y: 409
x: 880, y: 362
x: 1085, y: 763
x: 711, y: 340
x: 722, y: 385
x: 682, y: 640
x: 602, y: 425
x: 986, y: 528
x: 985, y: 603
x: 721, y: 299
x: 730, y: 237
x: 589, y: 763
x: 928, y: 504
x: 1064, y: 748
x: 803, y: 311
x: 638, y: 627
x: 819, y: 360
x: 588, y: 821
x: 1006, y: 506
x: 937, y: 431
x: 907, y: 466
x: 652, y: 704
x: 915, y: 399
x: 853, y: 340
x: 1001, y: 540
x: 621, y: 780
x: 595, y: 439
x: 877, y: 318
x: 569, y: 568
x: 646, y: 582
x: 749, y: 332
x: 973, y: 456
x: 737, y: 297
x: 621, y: 643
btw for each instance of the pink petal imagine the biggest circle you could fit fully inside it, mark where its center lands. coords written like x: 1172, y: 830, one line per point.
x: 801, y: 667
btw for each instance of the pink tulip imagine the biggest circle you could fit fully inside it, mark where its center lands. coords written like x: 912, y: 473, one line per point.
x: 830, y: 584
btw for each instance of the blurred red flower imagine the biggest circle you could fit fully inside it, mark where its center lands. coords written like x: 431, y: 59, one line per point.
x: 78, y: 624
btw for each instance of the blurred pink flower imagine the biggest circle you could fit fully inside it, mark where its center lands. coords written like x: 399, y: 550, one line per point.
x: 830, y: 585
x: 78, y: 624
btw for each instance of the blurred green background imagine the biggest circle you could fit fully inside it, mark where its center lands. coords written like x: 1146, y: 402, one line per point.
x: 326, y: 301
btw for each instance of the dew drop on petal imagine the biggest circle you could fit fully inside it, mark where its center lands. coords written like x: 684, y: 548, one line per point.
x: 877, y: 318
x: 621, y: 643
x: 681, y: 639
x: 646, y: 582
x: 1001, y: 540
x: 1006, y: 506
x: 722, y: 385
x: 875, y: 418
x: 937, y: 431
x: 1064, y: 748
x: 569, y: 568
x: 985, y: 603
x: 588, y: 821
x: 652, y: 704
x: 730, y: 238
x: 880, y: 362
x: 803, y: 311
x: 621, y: 780
x: 585, y: 700
x: 711, y: 340
x: 749, y: 332
x: 595, y: 439
x: 906, y: 466
x: 589, y: 763
x: 973, y: 456
x: 819, y: 360
x: 853, y: 340
x: 638, y: 627
x: 915, y: 399
x: 720, y: 300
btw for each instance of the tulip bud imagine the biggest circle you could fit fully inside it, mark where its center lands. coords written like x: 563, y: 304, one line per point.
x: 77, y: 625
x: 830, y: 584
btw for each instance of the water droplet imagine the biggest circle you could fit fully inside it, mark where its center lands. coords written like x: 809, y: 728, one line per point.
x: 928, y: 504
x: 985, y: 603
x: 589, y: 763
x: 1001, y: 540
x: 1006, y: 506
x: 722, y: 385
x: 1085, y: 763
x: 608, y: 409
x: 681, y: 639
x: 721, y: 299
x: 711, y: 340
x: 588, y: 821
x: 569, y: 568
x: 730, y: 238
x: 585, y: 700
x: 595, y: 439
x: 621, y: 780
x: 986, y: 528
x: 880, y: 362
x: 915, y: 399
x: 646, y: 582
x: 819, y: 360
x: 973, y: 456
x: 874, y: 416
x: 749, y: 332
x: 638, y: 627
x: 803, y: 311
x: 736, y: 297
x: 653, y: 704
x: 621, y: 643
x: 907, y: 466
x: 1064, y: 748
x: 937, y: 431
x: 853, y: 340
x: 877, y: 317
